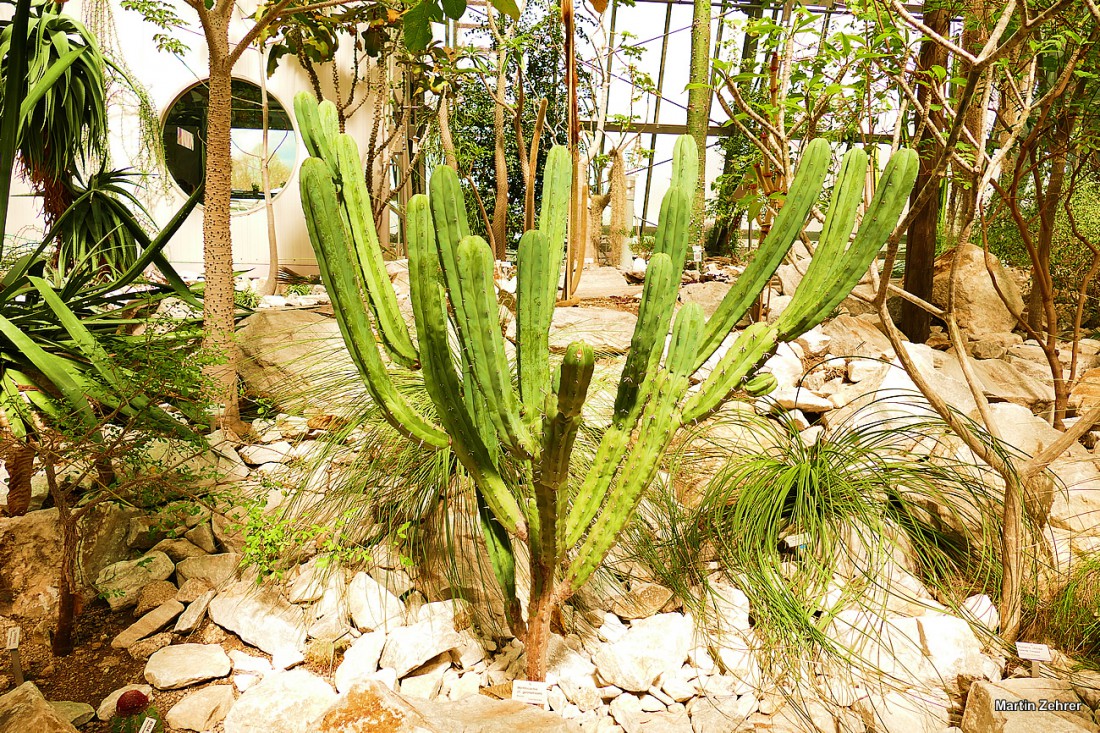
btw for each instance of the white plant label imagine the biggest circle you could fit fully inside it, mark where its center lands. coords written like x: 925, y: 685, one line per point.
x: 147, y: 725
x: 795, y: 541
x: 13, y: 637
x: 1035, y: 652
x: 532, y: 693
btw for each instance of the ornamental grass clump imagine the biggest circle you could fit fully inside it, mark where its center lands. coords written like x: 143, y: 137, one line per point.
x: 515, y: 438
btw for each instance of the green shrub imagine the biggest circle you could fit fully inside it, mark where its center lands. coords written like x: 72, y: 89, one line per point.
x: 247, y: 298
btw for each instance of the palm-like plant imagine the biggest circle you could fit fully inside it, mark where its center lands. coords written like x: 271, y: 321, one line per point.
x: 808, y: 531
x: 64, y: 114
x: 55, y: 337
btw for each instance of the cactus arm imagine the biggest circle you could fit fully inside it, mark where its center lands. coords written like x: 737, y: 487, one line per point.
x: 440, y: 378
x: 654, y: 315
x: 824, y: 287
x: 533, y: 317
x: 498, y: 547
x: 451, y: 227
x: 486, y: 344
x: 685, y: 164
x: 659, y: 422
x: 844, y: 203
x: 673, y: 228
x: 383, y: 300
x: 753, y: 346
x: 305, y: 112
x: 557, y: 182
x: 318, y: 125
x: 559, y: 433
x: 330, y: 240
x: 803, y: 194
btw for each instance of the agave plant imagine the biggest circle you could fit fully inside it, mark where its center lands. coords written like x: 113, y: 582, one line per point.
x: 64, y: 114
x: 569, y: 522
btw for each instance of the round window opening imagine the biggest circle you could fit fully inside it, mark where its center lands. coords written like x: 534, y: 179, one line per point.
x: 185, y: 142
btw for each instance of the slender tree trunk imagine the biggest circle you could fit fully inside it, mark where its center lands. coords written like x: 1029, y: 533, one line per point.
x: 920, y: 246
x: 19, y: 462
x: 698, y: 107
x: 500, y: 161
x: 265, y: 175
x: 62, y: 642
x: 218, y: 307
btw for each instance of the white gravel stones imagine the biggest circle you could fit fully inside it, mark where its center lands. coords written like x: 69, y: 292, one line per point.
x: 190, y: 619
x: 360, y: 660
x: 287, y: 702
x: 373, y: 606
x: 203, y: 709
x: 408, y: 647
x: 186, y: 664
x: 214, y: 570
x: 121, y: 583
x: 262, y: 618
x: 651, y: 646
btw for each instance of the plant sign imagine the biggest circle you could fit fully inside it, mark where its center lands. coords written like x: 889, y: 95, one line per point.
x: 531, y: 692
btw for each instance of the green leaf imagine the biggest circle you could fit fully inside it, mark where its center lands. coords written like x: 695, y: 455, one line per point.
x: 508, y: 7
x: 418, y: 24
x: 454, y: 8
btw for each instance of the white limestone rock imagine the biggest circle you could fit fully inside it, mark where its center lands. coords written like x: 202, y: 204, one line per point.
x: 203, y: 709
x: 651, y: 646
x: 186, y: 664
x: 288, y: 702
x: 262, y: 618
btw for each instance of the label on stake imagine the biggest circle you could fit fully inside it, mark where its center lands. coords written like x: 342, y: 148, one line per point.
x: 532, y: 693
x: 1034, y: 652
x: 147, y: 725
x: 13, y: 637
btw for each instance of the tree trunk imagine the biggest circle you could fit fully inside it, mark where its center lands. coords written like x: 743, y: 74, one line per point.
x: 500, y: 160
x: 218, y: 307
x: 265, y: 176
x: 920, y: 246
x: 62, y: 641
x: 19, y: 462
x: 698, y: 108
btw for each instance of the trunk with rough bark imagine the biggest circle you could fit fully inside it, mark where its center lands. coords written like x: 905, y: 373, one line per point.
x: 500, y: 161
x: 920, y: 246
x: 698, y: 107
x: 218, y: 308
x: 19, y: 463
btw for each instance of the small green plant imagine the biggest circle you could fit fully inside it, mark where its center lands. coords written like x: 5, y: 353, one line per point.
x: 299, y: 289
x: 247, y: 298
x: 1070, y: 619
x: 808, y: 531
x: 271, y: 541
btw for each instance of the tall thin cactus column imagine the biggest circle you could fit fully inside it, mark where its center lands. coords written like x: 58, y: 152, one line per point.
x: 515, y: 440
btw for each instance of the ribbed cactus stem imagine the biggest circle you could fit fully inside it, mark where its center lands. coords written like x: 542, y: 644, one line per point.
x: 648, y: 340
x: 332, y: 245
x: 535, y: 296
x: 788, y: 224
x: 559, y: 433
x: 821, y: 296
x: 440, y: 378
x: 557, y: 182
x: 360, y: 219
x: 485, y: 343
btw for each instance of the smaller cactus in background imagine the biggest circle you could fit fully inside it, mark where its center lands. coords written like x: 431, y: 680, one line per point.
x: 132, y: 711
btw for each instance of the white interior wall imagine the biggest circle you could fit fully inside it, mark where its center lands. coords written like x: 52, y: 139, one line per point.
x: 165, y: 76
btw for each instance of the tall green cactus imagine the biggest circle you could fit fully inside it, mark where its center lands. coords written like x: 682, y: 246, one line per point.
x: 568, y: 521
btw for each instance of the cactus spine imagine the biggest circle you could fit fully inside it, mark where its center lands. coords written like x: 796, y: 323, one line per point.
x: 569, y: 522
